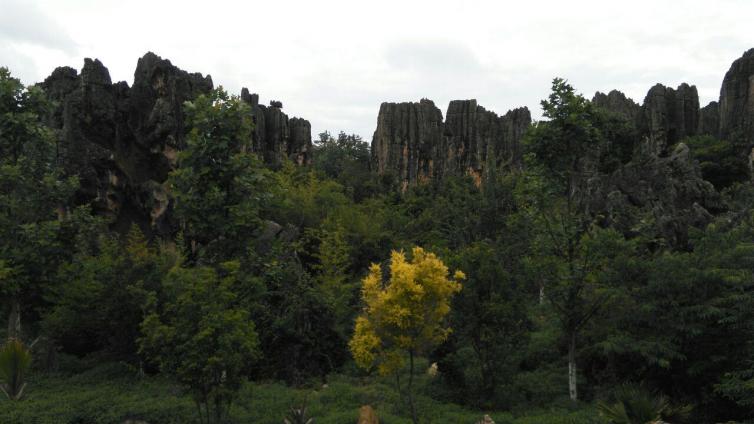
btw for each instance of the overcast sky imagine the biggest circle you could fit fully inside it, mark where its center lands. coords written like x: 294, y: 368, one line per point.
x: 334, y: 62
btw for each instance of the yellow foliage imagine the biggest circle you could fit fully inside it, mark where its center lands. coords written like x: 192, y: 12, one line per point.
x: 406, y: 314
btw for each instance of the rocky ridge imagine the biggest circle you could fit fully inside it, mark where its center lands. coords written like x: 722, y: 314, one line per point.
x: 123, y: 141
x: 414, y: 144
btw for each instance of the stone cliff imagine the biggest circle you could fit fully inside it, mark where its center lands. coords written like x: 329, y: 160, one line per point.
x: 123, y: 141
x: 275, y: 135
x: 668, y: 116
x: 736, y: 105
x: 415, y: 145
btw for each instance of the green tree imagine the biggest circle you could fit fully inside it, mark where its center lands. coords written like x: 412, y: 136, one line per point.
x: 33, y: 199
x: 563, y: 155
x: 491, y: 324
x: 200, y: 336
x: 332, y: 277
x: 98, y: 303
x: 293, y: 315
x: 405, y: 317
x: 219, y: 185
x: 721, y: 161
x: 345, y: 159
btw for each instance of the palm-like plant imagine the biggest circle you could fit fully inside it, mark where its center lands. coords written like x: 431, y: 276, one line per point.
x: 15, y: 359
x: 636, y: 405
x: 298, y: 415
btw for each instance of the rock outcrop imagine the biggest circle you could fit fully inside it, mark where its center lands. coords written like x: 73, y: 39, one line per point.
x: 275, y: 135
x: 667, y: 116
x: 408, y: 140
x: 709, y: 120
x: 478, y: 139
x: 661, y: 185
x: 617, y: 102
x: 737, y: 101
x: 123, y: 141
x: 666, y: 191
x: 415, y: 145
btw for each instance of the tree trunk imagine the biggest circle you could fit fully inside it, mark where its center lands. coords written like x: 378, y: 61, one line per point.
x: 572, y: 390
x: 414, y: 418
x: 542, y: 294
x: 14, y: 319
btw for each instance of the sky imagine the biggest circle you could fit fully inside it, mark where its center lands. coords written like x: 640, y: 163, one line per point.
x: 335, y: 62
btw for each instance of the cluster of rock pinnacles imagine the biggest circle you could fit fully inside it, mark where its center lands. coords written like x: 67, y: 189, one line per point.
x: 123, y: 141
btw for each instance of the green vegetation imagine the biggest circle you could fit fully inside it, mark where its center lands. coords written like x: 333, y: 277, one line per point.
x: 251, y: 310
x: 405, y: 318
x: 112, y: 393
x: 15, y: 360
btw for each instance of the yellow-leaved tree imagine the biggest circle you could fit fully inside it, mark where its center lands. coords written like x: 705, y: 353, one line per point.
x: 403, y: 317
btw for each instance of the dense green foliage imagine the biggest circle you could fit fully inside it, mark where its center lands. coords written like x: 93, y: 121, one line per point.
x: 247, y: 309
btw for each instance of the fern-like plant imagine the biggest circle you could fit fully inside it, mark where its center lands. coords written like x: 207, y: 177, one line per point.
x: 15, y: 359
x: 637, y: 405
x: 298, y: 415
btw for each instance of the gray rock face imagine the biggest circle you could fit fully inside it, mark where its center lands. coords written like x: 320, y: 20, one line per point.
x: 123, y: 141
x: 667, y: 116
x: 709, y: 119
x: 275, y: 135
x: 667, y: 189
x: 408, y: 140
x: 413, y: 143
x: 618, y: 103
x: 661, y: 186
x: 737, y: 101
x: 299, y: 147
x: 478, y: 139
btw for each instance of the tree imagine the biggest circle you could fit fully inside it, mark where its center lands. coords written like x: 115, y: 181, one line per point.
x: 564, y: 154
x: 33, y: 198
x: 333, y: 280
x: 346, y: 160
x: 720, y: 161
x: 490, y: 322
x: 295, y: 321
x: 98, y: 304
x: 200, y: 336
x: 406, y: 316
x: 219, y: 185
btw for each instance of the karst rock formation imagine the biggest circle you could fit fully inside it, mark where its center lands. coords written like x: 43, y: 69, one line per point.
x: 123, y: 141
x: 414, y: 144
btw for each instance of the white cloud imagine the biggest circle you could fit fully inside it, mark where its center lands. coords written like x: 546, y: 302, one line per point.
x: 334, y: 61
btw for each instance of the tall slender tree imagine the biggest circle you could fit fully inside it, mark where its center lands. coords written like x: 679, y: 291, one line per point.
x: 563, y: 155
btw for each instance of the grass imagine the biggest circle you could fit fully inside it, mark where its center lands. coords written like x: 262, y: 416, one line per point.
x: 111, y: 394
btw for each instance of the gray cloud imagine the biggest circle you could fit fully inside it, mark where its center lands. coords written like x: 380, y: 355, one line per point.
x: 25, y: 23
